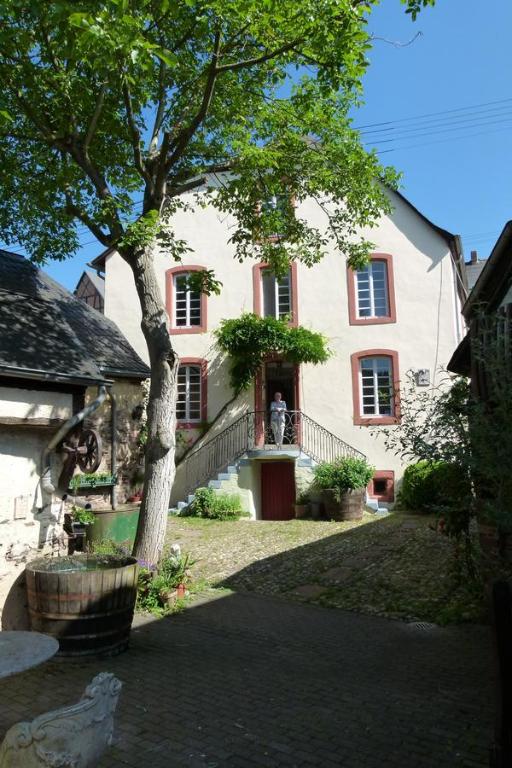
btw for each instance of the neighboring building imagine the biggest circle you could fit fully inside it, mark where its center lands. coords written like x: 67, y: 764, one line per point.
x: 474, y: 268
x: 400, y: 314
x: 91, y: 289
x: 489, y: 302
x: 56, y: 355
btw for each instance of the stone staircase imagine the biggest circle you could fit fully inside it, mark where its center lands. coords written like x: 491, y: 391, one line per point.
x: 227, y: 481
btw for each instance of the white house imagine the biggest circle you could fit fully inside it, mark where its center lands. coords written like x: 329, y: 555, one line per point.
x: 400, y: 314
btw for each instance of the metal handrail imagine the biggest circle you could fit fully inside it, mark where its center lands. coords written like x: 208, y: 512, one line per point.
x: 253, y: 430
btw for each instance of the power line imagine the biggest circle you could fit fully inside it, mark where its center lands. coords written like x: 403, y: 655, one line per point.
x: 433, y: 114
x: 440, y: 141
x: 440, y: 131
x: 437, y: 125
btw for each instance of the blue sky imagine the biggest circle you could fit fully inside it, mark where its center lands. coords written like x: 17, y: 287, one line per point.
x: 456, y: 166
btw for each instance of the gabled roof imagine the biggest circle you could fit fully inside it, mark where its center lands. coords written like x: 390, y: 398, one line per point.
x: 97, y: 281
x: 46, y: 333
x: 487, y: 294
x: 496, y: 276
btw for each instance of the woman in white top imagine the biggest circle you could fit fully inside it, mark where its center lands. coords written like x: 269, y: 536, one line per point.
x: 277, y: 419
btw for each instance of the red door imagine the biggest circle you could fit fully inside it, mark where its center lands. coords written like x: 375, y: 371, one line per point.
x: 277, y: 490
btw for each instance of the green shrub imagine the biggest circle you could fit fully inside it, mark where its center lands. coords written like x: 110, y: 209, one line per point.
x: 82, y: 515
x: 153, y: 586
x: 342, y: 475
x: 215, y: 506
x: 429, y: 486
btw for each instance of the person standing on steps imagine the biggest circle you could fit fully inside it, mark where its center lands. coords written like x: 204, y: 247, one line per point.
x: 277, y: 419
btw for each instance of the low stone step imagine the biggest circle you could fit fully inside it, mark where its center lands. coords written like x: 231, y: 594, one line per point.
x: 215, y: 484
x: 225, y: 476
x: 181, y: 505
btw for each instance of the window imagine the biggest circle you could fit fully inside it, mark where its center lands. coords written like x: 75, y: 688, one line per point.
x: 275, y: 297
x: 375, y: 387
x: 382, y: 485
x: 191, y: 401
x: 187, y: 303
x: 186, y: 308
x: 371, y: 292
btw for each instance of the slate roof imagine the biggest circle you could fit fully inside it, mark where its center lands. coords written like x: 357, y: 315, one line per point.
x: 46, y: 333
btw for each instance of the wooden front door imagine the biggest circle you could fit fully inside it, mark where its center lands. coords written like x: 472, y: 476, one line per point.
x: 277, y: 490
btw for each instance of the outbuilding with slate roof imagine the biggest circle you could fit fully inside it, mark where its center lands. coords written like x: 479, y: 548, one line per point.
x: 68, y: 379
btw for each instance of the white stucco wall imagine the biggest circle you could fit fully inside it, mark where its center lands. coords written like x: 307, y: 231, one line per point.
x: 30, y: 522
x: 425, y: 334
x: 34, y: 404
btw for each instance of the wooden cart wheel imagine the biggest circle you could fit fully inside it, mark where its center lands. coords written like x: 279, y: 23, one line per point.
x: 91, y: 459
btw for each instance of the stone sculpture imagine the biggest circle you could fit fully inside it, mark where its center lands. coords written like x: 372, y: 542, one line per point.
x: 71, y: 737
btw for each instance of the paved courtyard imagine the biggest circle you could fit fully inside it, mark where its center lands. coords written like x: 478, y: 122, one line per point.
x: 251, y: 681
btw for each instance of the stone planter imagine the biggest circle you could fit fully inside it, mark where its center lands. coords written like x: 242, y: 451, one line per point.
x: 350, y: 507
x: 86, y: 602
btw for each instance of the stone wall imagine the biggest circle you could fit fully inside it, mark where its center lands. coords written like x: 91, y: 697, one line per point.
x: 128, y: 395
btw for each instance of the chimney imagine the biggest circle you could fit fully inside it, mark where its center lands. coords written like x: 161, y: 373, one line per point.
x: 474, y: 257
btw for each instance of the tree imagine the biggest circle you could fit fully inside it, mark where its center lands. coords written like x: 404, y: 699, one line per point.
x: 106, y: 101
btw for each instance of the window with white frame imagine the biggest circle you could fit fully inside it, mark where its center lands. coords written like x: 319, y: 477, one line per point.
x: 372, y: 290
x: 187, y: 303
x: 188, y: 405
x: 376, y: 386
x: 277, y: 295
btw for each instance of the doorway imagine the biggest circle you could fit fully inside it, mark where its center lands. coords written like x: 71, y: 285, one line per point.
x: 277, y: 490
x: 277, y: 376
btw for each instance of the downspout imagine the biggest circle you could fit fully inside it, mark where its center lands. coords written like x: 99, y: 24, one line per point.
x: 46, y: 475
x: 113, y: 444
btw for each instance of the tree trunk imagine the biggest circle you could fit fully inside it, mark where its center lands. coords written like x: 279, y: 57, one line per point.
x: 161, y: 411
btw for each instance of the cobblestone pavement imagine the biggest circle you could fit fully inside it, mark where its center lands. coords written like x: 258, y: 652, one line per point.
x: 396, y: 567
x: 246, y: 681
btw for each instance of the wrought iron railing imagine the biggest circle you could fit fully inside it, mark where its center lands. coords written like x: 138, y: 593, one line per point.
x: 253, y: 431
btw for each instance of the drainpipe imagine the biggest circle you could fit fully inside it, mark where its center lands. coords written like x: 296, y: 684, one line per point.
x: 77, y: 418
x: 113, y: 444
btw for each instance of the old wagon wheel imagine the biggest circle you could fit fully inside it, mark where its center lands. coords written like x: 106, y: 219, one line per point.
x: 89, y: 451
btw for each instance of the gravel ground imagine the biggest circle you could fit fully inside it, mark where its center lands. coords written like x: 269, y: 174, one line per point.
x: 396, y: 566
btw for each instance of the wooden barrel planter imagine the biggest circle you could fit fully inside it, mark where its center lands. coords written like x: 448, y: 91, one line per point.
x: 350, y: 507
x: 85, y: 602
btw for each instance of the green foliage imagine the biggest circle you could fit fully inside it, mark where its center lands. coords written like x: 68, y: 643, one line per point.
x: 82, y: 515
x: 108, y: 547
x: 154, y: 586
x: 248, y: 339
x: 90, y: 479
x: 117, y: 100
x: 343, y: 475
x: 215, y: 506
x: 434, y: 485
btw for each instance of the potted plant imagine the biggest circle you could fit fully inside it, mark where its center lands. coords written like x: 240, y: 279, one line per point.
x: 75, y: 525
x: 302, y: 505
x: 342, y: 483
x: 173, y: 576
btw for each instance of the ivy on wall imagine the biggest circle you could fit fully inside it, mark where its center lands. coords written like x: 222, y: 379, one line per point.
x: 248, y: 340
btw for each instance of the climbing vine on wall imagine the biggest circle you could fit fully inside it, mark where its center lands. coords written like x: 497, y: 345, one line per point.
x: 248, y: 340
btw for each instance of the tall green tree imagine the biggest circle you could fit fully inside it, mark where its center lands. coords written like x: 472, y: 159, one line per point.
x: 106, y: 101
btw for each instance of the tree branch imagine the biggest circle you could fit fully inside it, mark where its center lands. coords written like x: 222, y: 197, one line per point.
x: 160, y: 113
x: 247, y: 63
x: 181, y: 141
x: 95, y: 117
x: 135, y: 135
x: 79, y: 213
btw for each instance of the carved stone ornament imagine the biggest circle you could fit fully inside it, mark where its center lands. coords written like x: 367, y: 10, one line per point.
x: 71, y: 737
